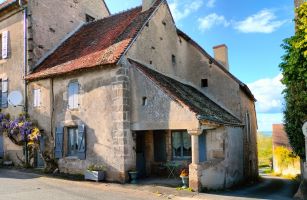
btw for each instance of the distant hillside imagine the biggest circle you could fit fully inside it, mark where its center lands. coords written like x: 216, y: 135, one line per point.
x: 265, y: 151
x: 266, y: 133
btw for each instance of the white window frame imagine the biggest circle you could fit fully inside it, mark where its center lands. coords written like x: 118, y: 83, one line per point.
x: 182, y: 156
x: 37, y: 98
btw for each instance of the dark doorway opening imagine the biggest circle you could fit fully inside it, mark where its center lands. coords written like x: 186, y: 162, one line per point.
x: 140, y: 154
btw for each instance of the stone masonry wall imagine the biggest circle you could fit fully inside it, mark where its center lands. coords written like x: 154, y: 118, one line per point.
x: 49, y: 22
x: 12, y: 69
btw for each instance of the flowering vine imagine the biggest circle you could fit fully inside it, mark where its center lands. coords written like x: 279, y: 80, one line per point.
x: 19, y: 130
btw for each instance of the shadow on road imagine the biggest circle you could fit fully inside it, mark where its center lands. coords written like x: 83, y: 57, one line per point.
x: 15, y: 174
x: 273, y: 188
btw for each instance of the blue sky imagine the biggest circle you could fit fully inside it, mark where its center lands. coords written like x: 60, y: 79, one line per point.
x: 253, y: 31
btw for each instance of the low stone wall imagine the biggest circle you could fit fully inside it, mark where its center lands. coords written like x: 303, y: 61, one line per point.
x: 72, y: 165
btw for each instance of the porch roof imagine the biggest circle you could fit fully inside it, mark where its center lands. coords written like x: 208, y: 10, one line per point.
x: 184, y: 94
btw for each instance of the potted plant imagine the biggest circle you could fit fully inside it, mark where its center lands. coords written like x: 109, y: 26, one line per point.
x: 95, y: 173
x: 184, y: 175
x: 133, y: 176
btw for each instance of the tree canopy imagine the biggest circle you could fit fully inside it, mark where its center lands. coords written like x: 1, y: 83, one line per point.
x: 294, y: 70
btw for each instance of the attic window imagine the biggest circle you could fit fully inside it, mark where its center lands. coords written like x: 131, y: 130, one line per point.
x: 89, y: 18
x: 204, y: 83
x: 144, y: 101
x: 174, y: 59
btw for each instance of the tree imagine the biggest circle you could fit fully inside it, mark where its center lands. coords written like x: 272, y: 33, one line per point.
x: 294, y: 70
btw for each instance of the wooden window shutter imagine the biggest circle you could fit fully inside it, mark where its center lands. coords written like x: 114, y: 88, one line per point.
x: 37, y: 96
x: 73, y: 93
x: 76, y: 95
x: 59, y: 137
x: 81, y: 142
x: 4, y: 95
x: 5, y: 37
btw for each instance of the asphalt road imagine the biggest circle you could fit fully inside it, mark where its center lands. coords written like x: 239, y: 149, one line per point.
x: 272, y: 188
x: 17, y: 185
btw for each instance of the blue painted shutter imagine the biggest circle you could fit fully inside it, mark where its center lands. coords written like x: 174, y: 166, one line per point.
x: 76, y: 95
x: 59, y: 136
x: 1, y: 147
x: 73, y: 93
x: 41, y: 144
x: 81, y: 142
x: 40, y: 161
x: 70, y: 96
x: 4, y: 95
x: 202, y: 148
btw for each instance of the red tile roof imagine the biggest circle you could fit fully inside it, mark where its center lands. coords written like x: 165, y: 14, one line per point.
x: 6, y: 3
x: 95, y: 44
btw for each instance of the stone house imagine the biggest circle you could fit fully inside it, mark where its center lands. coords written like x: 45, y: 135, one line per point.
x: 132, y: 91
x: 28, y: 30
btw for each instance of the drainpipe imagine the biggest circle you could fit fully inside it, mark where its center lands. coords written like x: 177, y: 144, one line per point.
x: 25, y: 31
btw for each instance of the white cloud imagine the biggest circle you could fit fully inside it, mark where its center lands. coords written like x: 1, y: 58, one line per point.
x: 268, y: 93
x: 211, y: 20
x: 183, y: 9
x: 211, y: 3
x: 262, y: 22
x: 265, y: 121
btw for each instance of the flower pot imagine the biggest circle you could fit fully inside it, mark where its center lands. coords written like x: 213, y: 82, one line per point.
x: 185, y: 181
x: 133, y: 177
x: 94, y: 175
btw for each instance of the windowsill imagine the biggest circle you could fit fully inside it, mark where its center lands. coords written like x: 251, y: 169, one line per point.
x: 182, y: 159
x: 72, y: 158
x: 2, y: 61
x: 73, y: 109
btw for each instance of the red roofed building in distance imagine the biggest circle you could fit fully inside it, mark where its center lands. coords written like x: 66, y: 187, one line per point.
x: 282, y: 151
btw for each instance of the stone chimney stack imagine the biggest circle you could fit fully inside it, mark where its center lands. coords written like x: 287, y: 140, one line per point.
x: 221, y: 55
x: 147, y: 4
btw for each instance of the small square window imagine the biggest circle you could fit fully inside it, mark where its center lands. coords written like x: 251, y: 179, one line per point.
x: 89, y: 18
x: 204, y: 83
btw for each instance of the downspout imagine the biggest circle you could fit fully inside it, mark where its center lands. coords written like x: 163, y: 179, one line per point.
x: 25, y: 29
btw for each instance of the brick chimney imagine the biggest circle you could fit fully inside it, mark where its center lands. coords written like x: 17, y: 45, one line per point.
x: 147, y: 4
x: 221, y: 55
